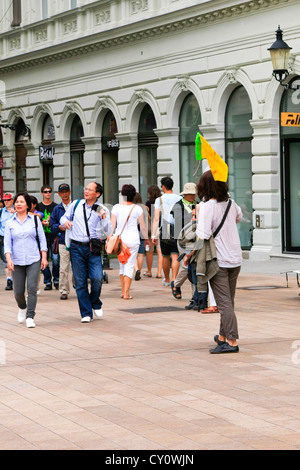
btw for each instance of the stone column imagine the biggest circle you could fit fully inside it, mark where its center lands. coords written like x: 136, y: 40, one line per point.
x: 34, y: 173
x: 128, y: 159
x: 168, y: 155
x: 266, y: 189
x: 92, y: 159
x: 61, y: 164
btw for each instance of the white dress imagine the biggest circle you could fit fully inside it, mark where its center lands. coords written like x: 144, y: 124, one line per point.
x: 130, y: 234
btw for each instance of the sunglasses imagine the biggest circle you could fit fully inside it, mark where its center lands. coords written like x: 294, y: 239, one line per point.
x: 47, y: 192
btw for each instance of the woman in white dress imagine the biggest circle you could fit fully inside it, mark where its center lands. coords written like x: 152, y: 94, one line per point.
x: 130, y: 233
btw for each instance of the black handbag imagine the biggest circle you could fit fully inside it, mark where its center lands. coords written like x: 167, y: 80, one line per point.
x: 95, y: 243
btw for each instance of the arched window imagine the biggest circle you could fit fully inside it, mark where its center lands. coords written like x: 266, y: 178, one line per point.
x: 147, y: 143
x: 290, y: 170
x: 47, y: 150
x: 110, y: 147
x: 189, y: 121
x: 77, y: 165
x: 238, y: 157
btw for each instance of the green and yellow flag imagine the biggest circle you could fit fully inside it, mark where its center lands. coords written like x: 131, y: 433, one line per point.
x: 217, y: 165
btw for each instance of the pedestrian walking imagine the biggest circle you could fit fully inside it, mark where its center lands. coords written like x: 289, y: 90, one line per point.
x: 84, y: 218
x: 6, y: 213
x: 26, y: 253
x: 229, y: 254
x: 46, y: 207
x: 165, y: 221
x: 125, y: 218
x: 64, y: 192
x: 183, y: 212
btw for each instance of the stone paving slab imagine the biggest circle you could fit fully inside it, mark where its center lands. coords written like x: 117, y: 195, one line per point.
x: 143, y: 381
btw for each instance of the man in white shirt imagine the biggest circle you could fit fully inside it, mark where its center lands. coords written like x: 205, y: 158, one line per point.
x: 84, y: 219
x: 164, y: 220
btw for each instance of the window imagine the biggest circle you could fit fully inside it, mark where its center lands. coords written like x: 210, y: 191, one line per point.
x: 17, y: 13
x: 44, y: 9
x: 147, y: 143
x: 238, y: 157
x: 73, y: 3
x: 189, y: 121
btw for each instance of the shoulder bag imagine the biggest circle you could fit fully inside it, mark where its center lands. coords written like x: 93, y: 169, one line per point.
x: 95, y: 243
x: 114, y: 245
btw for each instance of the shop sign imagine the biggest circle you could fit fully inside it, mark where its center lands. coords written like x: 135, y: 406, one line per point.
x: 290, y: 119
x: 112, y: 143
x: 46, y: 153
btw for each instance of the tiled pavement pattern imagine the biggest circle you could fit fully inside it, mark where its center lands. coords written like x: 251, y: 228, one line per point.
x: 146, y: 380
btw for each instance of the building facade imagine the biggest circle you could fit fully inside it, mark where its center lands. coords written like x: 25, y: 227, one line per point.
x: 116, y: 91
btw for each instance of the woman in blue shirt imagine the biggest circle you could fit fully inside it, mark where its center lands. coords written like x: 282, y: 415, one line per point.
x: 25, y: 249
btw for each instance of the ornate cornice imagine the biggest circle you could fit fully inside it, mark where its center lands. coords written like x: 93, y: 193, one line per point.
x: 76, y: 47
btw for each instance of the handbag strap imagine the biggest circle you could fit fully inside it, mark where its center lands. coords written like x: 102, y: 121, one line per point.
x: 86, y: 222
x: 127, y: 219
x: 223, y: 220
x: 36, y: 232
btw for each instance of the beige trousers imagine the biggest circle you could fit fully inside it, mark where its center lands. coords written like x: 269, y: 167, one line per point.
x: 64, y: 267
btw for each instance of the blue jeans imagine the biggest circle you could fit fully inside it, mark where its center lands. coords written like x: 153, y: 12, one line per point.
x: 86, y: 265
x: 55, y: 267
x: 199, y: 298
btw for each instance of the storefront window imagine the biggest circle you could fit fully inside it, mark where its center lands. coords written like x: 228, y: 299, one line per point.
x: 147, y: 142
x: 110, y: 148
x: 47, y: 150
x: 290, y: 168
x: 238, y: 157
x: 77, y: 164
x: 189, y: 121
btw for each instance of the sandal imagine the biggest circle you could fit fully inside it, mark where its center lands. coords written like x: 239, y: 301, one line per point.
x: 210, y: 310
x: 176, y: 291
x: 147, y: 274
x: 159, y: 276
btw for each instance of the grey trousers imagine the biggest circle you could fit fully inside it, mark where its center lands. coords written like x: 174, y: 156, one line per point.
x: 20, y: 275
x: 223, y: 285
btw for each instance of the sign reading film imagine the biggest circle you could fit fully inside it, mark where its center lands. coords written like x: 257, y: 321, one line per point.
x: 290, y: 119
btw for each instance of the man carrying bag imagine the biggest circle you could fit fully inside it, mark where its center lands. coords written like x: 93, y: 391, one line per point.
x: 84, y: 223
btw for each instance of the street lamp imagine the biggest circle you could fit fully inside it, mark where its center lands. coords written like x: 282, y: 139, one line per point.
x: 280, y: 53
x: 21, y: 127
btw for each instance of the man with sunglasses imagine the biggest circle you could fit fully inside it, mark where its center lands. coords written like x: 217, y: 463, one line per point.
x: 6, y: 214
x: 46, y: 207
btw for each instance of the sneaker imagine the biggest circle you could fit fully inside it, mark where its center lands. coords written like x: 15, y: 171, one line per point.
x: 21, y: 315
x: 56, y: 285
x: 98, y: 312
x: 191, y: 306
x: 86, y: 319
x: 224, y: 348
x: 63, y: 296
x: 30, y: 323
x: 48, y: 287
x: 9, y: 285
x: 137, y: 275
x: 165, y: 283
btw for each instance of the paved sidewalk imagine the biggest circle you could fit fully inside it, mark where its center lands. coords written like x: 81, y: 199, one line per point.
x: 142, y: 377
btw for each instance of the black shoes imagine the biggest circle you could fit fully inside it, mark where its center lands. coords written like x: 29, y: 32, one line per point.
x: 9, y: 285
x: 48, y: 287
x: 216, y: 340
x: 224, y: 348
x: 137, y: 275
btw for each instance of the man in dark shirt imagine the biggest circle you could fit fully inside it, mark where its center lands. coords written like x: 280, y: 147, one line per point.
x: 46, y: 207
